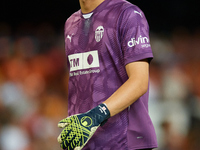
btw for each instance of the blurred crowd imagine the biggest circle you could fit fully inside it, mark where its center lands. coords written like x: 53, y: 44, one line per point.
x: 174, y: 89
x: 33, y: 87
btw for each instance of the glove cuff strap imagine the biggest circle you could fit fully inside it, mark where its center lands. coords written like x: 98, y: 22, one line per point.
x: 104, y: 110
x: 101, y: 113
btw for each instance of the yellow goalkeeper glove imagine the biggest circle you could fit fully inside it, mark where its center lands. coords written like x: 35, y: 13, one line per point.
x: 78, y: 129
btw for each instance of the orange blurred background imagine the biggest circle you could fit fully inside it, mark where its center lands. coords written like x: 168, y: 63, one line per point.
x: 33, y: 73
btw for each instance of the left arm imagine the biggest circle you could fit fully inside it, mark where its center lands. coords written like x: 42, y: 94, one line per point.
x: 80, y: 128
x: 132, y: 89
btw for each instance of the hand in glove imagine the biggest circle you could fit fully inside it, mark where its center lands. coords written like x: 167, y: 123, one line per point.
x: 78, y: 129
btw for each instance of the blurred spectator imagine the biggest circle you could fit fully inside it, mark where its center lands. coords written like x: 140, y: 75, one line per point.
x: 33, y: 88
x: 174, y: 77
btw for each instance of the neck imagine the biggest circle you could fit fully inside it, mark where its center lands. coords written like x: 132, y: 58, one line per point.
x: 88, y: 6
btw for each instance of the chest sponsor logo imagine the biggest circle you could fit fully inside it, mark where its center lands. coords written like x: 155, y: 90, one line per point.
x: 144, y: 41
x: 85, y: 60
x: 99, y: 33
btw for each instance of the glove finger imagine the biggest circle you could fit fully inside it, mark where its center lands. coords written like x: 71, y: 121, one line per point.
x: 59, y: 139
x: 71, y: 145
x: 65, y: 122
x: 64, y: 145
x: 63, y: 136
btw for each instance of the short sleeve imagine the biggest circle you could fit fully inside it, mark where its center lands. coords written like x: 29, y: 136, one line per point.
x: 134, y: 35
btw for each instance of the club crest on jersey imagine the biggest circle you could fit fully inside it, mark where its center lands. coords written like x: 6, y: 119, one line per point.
x: 99, y: 33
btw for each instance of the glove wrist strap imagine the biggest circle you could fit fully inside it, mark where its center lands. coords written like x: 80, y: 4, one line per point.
x: 102, y: 113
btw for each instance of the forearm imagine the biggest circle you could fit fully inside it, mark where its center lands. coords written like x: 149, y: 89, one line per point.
x: 129, y: 92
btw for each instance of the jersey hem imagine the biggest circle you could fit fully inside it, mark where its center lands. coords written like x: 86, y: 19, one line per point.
x: 145, y: 147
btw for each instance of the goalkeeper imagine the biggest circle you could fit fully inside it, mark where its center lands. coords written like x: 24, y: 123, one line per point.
x: 108, y: 51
